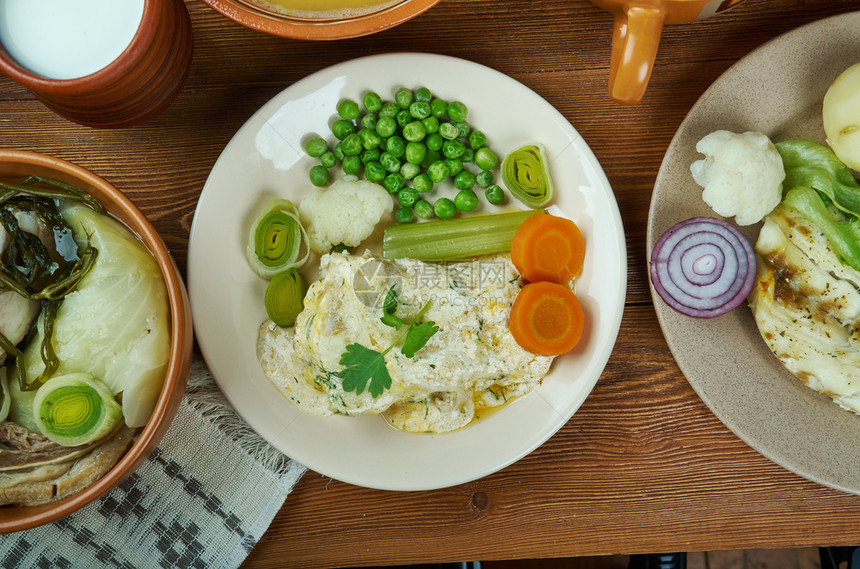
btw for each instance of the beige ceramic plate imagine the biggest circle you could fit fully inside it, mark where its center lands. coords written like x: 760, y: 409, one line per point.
x: 777, y: 89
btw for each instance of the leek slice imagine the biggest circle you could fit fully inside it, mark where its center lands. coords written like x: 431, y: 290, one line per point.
x: 285, y: 297
x: 5, y: 395
x: 525, y: 172
x: 276, y: 240
x: 75, y: 409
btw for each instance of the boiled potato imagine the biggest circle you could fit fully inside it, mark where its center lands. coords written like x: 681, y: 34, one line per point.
x: 841, y: 115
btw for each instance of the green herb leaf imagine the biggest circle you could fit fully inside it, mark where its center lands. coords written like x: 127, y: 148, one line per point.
x: 417, y: 337
x: 363, y: 365
x: 389, y: 305
x: 393, y: 321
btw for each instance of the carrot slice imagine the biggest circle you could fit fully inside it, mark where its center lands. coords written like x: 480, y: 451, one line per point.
x: 546, y: 318
x: 548, y: 248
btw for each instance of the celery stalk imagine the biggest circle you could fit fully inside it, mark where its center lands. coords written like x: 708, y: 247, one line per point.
x: 449, y: 239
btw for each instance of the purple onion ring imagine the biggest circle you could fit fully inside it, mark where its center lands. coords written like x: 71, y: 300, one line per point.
x: 703, y: 267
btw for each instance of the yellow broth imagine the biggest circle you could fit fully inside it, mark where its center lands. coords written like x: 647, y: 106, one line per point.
x: 323, y: 9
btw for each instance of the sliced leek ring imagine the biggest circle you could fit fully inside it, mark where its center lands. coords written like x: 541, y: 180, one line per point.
x: 525, y: 172
x: 285, y: 297
x: 75, y: 409
x: 276, y: 240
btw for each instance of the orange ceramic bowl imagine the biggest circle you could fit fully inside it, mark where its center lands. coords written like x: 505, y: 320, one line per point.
x: 248, y: 14
x: 14, y: 165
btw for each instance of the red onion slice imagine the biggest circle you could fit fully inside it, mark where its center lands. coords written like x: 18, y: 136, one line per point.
x: 703, y: 267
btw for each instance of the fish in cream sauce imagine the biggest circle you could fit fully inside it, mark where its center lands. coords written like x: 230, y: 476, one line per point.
x: 470, y: 364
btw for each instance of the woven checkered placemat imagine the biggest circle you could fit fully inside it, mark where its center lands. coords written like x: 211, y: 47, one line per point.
x: 202, y: 500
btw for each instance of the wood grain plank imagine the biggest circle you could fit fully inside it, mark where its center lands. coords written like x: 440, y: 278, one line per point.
x: 643, y: 466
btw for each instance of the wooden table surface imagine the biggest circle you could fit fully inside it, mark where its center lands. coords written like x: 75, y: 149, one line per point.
x: 643, y: 466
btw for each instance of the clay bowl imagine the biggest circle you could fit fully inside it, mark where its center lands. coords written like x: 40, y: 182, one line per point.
x: 388, y: 15
x: 138, y: 85
x: 14, y: 165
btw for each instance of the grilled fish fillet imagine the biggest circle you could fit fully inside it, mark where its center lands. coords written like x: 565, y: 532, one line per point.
x: 807, y: 306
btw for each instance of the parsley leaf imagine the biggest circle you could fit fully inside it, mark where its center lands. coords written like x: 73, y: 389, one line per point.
x: 363, y: 365
x: 393, y: 321
x: 417, y: 336
x: 389, y: 305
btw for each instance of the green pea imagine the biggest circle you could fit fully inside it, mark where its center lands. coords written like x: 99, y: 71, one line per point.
x: 403, y: 118
x: 351, y: 165
x: 431, y: 124
x: 389, y: 109
x: 395, y: 146
x: 495, y: 194
x: 341, y: 128
x: 374, y: 171
x: 423, y: 209
x: 422, y: 183
x: 407, y: 197
x: 485, y: 178
x: 352, y: 145
x: 369, y: 121
x: 414, y: 131
x: 448, y: 131
x: 455, y: 165
x: 328, y: 159
x: 423, y: 95
x: 338, y: 151
x: 318, y: 175
x: 369, y: 139
x: 485, y: 158
x: 465, y: 180
x: 386, y: 126
x: 468, y: 155
x: 419, y: 110
x: 404, y: 97
x: 393, y: 182
x: 430, y: 157
x: 453, y: 148
x: 390, y: 162
x: 463, y: 129
x: 457, y: 111
x: 438, y: 171
x: 348, y: 109
x: 444, y: 208
x: 409, y: 169
x: 316, y: 147
x: 370, y: 155
x: 438, y: 108
x: 415, y: 152
x: 477, y: 139
x: 404, y: 215
x: 433, y: 141
x: 466, y: 200
x: 372, y: 102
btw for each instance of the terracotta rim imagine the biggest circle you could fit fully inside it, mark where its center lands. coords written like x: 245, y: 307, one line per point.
x: 287, y: 27
x: 180, y: 348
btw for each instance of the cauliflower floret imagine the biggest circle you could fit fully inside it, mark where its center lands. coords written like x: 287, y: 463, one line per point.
x: 346, y: 212
x: 741, y: 174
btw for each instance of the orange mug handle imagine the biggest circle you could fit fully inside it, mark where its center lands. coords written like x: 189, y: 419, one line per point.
x: 635, y: 37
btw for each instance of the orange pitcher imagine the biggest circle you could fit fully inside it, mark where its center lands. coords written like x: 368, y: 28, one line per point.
x: 636, y: 35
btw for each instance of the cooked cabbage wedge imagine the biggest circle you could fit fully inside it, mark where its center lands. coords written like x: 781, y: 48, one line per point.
x: 115, y: 326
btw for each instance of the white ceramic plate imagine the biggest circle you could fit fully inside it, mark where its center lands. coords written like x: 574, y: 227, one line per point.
x: 264, y: 159
x: 776, y: 89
